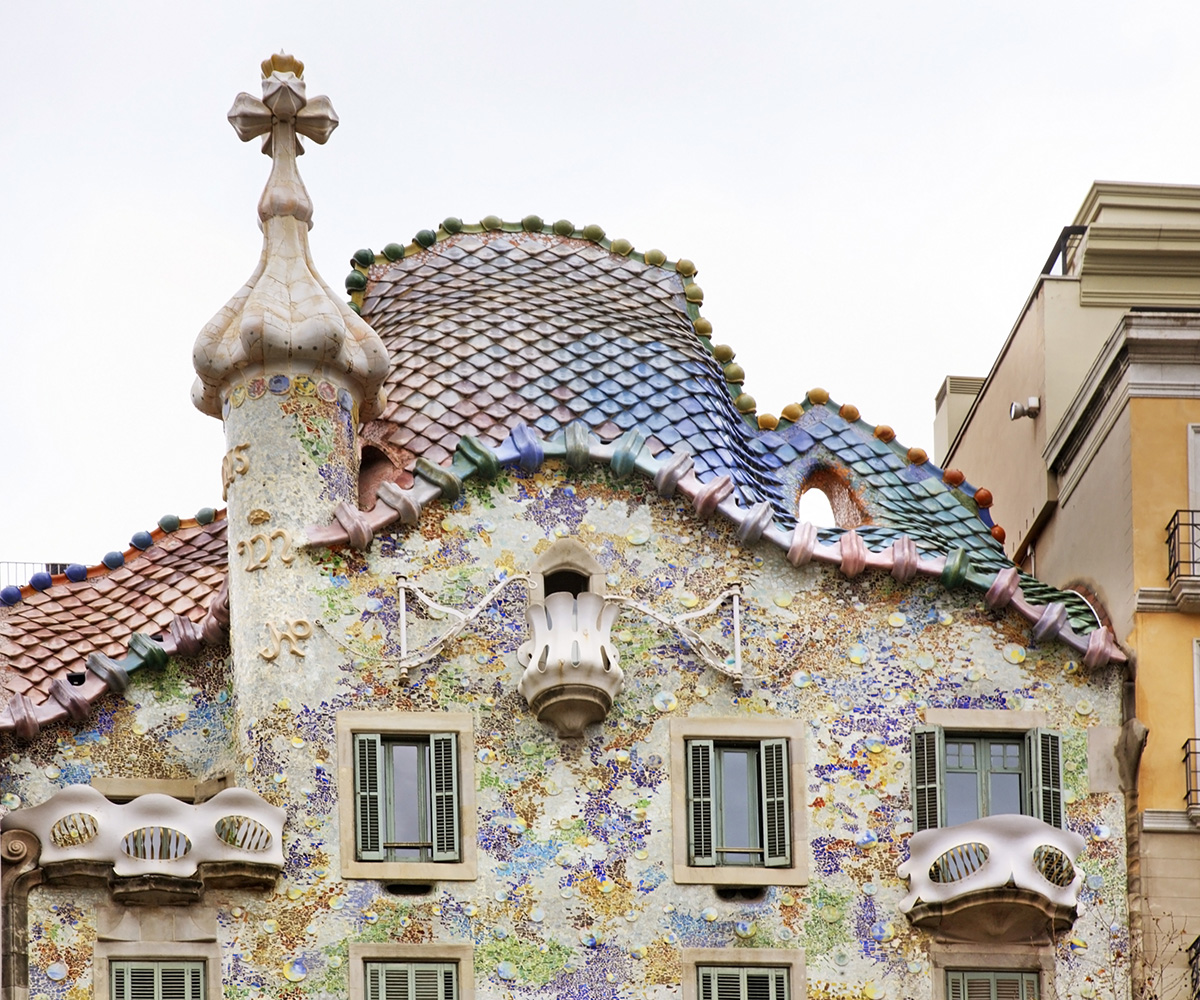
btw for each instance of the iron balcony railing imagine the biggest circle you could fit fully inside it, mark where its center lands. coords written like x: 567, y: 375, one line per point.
x: 1191, y: 766
x: 17, y: 574
x: 1183, y: 545
x: 1194, y: 967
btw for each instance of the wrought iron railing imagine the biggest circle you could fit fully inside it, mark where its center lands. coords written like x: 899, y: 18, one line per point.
x: 17, y: 574
x: 1183, y: 545
x: 1191, y: 766
x: 1194, y: 968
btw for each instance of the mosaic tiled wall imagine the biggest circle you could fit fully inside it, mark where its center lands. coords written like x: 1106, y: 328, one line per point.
x: 575, y: 896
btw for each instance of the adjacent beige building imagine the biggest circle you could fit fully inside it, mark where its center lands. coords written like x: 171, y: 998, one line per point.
x: 1087, y: 432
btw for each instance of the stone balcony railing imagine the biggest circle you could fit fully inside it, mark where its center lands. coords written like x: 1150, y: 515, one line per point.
x: 156, y: 848
x: 1001, y: 878
x: 571, y: 666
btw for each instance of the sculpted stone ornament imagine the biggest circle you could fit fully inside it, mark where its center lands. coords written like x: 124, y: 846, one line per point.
x: 285, y: 318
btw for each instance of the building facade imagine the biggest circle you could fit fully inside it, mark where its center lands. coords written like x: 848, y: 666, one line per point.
x: 1100, y: 493
x: 510, y: 671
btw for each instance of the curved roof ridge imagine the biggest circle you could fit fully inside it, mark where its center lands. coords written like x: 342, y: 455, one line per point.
x: 1004, y: 584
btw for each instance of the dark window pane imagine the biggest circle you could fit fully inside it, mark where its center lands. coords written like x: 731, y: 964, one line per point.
x: 1006, y: 794
x: 962, y: 797
x: 407, y: 805
x: 739, y: 818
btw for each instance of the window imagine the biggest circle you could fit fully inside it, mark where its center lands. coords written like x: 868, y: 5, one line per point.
x: 157, y: 980
x: 992, y: 985
x: 567, y: 566
x: 737, y: 817
x: 715, y: 982
x: 156, y: 953
x: 963, y: 776
x: 406, y: 797
x: 743, y: 973
x: 411, y: 980
x: 407, y: 802
x: 432, y: 971
x: 738, y: 807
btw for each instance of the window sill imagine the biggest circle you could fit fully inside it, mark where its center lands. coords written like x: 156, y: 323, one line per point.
x: 737, y: 875
x: 411, y: 871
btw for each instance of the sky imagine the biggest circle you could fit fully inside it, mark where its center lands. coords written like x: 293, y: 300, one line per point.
x: 869, y: 190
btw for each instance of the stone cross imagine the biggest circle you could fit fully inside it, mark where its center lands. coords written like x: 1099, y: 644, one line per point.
x: 283, y: 112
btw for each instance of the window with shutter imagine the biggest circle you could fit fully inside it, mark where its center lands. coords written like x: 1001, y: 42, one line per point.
x: 146, y: 980
x: 980, y: 985
x: 411, y: 980
x: 960, y: 777
x: 738, y: 803
x: 406, y: 797
x: 741, y: 983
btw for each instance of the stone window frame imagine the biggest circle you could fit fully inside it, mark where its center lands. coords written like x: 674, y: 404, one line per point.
x: 392, y: 723
x: 463, y: 955
x: 982, y: 723
x: 1000, y: 956
x: 109, y: 948
x: 734, y: 729
x: 791, y: 959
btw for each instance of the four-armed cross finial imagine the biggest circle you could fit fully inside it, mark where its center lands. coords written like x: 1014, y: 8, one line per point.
x: 283, y: 112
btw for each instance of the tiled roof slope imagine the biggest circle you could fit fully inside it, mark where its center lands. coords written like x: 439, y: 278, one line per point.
x: 47, y: 634
x: 496, y: 324
x: 489, y: 328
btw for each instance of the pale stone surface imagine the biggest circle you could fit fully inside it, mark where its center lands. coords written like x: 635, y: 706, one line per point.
x: 285, y: 318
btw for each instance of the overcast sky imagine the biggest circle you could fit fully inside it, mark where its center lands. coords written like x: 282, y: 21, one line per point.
x: 868, y: 190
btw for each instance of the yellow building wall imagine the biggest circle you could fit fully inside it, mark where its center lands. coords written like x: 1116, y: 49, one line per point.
x: 1163, y: 641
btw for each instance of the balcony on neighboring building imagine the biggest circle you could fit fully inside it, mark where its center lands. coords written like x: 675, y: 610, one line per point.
x: 1191, y: 767
x: 1183, y: 560
x: 1000, y: 878
x: 17, y: 574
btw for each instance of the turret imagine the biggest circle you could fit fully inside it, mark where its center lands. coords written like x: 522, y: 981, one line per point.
x: 292, y: 371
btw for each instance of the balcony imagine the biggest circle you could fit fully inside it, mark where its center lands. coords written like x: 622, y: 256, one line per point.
x: 1001, y: 878
x: 155, y: 849
x: 1191, y: 767
x: 1183, y: 560
x: 571, y: 666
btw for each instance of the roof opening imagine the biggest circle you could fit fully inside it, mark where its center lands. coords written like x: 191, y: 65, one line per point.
x: 374, y: 468
x: 815, y: 508
x: 827, y: 500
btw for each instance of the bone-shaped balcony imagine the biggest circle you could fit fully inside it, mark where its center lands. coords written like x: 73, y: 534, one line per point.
x: 1001, y: 878
x: 155, y: 848
x: 571, y: 666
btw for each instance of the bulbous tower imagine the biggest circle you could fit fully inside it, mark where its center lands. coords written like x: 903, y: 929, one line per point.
x: 292, y: 371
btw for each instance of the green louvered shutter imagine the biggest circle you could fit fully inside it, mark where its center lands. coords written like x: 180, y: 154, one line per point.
x: 776, y: 808
x: 700, y: 802
x: 412, y: 981
x: 373, y: 977
x: 369, y: 797
x: 443, y: 751
x: 928, y: 752
x: 157, y: 980
x: 434, y: 981
x: 991, y: 986
x: 741, y: 983
x: 766, y: 984
x: 1043, y: 750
